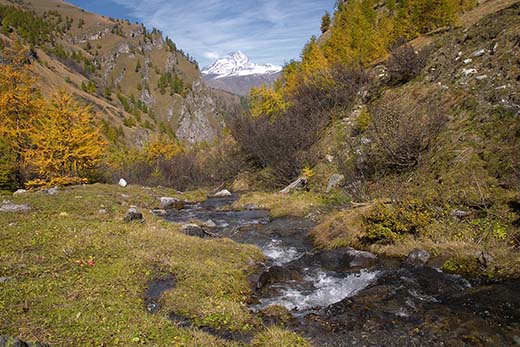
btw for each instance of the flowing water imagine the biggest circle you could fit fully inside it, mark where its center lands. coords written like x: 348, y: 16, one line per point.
x: 383, y: 304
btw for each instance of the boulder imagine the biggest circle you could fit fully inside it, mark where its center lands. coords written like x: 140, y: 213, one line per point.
x: 345, y: 259
x: 358, y: 260
x: 300, y: 183
x: 8, y: 206
x: 278, y: 274
x: 194, y: 230
x: 334, y: 181
x: 168, y: 203
x: 123, y: 183
x: 223, y: 194
x: 133, y: 214
x: 417, y: 258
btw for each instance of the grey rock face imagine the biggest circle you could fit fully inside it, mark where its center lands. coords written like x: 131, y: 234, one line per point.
x: 197, y: 110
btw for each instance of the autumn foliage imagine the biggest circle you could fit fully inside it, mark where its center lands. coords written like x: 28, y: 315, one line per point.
x: 65, y: 142
x: 41, y: 140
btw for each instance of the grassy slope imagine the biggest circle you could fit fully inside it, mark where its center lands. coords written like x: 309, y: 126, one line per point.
x: 53, y: 295
x: 54, y: 75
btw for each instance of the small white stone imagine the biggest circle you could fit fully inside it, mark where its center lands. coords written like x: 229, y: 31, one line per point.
x: 479, y: 53
x: 20, y: 191
x: 123, y: 183
x: 467, y: 61
x: 468, y: 72
x: 223, y: 193
x: 481, y: 78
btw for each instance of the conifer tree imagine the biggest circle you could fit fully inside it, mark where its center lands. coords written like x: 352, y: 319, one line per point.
x: 65, y: 141
x: 325, y: 22
x: 20, y: 104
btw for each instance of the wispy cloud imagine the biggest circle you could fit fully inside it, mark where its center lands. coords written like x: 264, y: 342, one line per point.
x: 269, y: 31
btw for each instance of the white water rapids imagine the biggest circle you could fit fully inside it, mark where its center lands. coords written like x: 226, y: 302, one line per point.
x: 326, y: 287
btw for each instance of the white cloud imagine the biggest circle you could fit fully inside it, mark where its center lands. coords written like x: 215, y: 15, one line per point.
x: 269, y: 31
x: 211, y: 55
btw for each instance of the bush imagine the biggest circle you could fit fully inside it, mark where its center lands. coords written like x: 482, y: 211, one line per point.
x: 405, y: 64
x: 403, y: 128
x: 184, y: 170
x: 282, y: 141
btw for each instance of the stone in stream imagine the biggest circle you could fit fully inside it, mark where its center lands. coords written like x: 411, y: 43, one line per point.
x: 417, y: 258
x: 8, y: 206
x: 278, y: 274
x: 345, y: 259
x: 133, y: 214
x: 168, y: 203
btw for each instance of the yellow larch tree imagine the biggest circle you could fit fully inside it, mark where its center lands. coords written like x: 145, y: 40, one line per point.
x: 65, y: 141
x: 20, y: 104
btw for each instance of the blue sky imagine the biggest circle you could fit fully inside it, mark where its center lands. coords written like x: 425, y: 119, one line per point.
x: 269, y: 31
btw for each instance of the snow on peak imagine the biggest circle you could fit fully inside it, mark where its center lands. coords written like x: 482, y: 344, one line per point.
x: 238, y: 64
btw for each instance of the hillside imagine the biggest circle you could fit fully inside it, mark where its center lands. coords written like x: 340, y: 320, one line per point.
x: 423, y: 136
x: 137, y: 80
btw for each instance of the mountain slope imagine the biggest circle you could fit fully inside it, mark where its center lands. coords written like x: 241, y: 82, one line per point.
x: 137, y: 81
x: 237, y: 74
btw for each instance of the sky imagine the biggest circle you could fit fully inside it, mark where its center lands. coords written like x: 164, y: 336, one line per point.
x: 268, y: 31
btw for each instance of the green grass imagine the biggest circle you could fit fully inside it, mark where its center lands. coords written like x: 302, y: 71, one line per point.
x: 54, y: 295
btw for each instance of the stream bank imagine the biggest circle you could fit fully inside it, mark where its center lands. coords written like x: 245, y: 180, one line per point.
x: 347, y: 297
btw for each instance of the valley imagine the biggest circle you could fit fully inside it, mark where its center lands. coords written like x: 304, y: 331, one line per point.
x: 365, y: 194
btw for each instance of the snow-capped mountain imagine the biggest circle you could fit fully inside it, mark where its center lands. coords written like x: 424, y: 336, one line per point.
x: 236, y: 73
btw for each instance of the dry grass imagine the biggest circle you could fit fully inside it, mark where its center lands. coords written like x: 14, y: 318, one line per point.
x: 281, y: 205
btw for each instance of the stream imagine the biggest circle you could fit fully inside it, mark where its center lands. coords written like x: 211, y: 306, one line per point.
x: 347, y: 297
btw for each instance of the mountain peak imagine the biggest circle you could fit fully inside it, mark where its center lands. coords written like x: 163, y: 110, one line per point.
x: 238, y: 64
